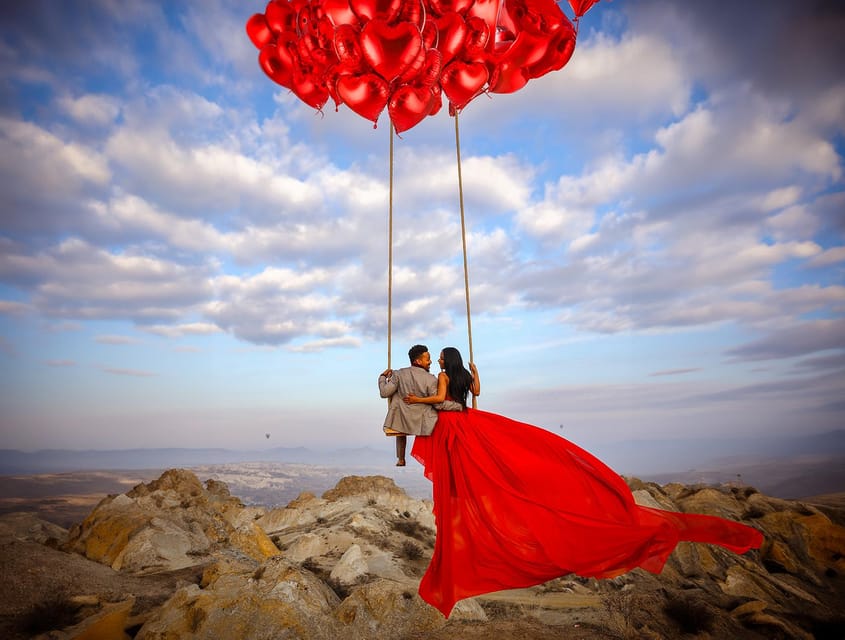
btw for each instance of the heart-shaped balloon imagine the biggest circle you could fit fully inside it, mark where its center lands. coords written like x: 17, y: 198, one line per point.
x: 376, y: 9
x: 430, y: 34
x: 580, y: 7
x: 311, y: 52
x: 309, y: 88
x: 462, y: 81
x: 442, y: 7
x: 411, y: 73
x: 526, y: 50
x: 259, y: 31
x: 478, y: 35
x: 365, y: 94
x: 558, y: 52
x: 452, y: 33
x: 347, y: 47
x: 436, y: 100
x: 412, y: 11
x: 304, y: 20
x: 278, y: 59
x: 280, y: 16
x: 430, y: 73
x: 408, y: 105
x: 338, y: 12
x: 507, y: 78
x: 390, y: 50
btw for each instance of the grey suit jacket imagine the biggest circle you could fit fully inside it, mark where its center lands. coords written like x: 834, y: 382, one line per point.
x: 413, y: 419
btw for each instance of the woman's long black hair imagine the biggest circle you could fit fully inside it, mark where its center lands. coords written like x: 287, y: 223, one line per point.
x: 460, y: 379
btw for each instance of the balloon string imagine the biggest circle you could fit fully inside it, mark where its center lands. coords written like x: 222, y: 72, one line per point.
x: 390, y: 254
x: 464, y: 244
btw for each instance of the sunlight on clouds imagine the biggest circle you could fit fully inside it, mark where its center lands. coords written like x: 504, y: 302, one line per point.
x: 316, y: 346
x: 31, y: 157
x: 780, y: 198
x: 828, y: 257
x: 639, y: 71
x: 11, y: 307
x: 181, y: 330
x: 793, y: 222
x: 94, y: 109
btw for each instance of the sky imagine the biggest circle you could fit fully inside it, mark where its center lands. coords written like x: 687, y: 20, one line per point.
x: 192, y: 257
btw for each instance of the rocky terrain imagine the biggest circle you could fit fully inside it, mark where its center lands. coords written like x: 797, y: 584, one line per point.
x: 178, y: 558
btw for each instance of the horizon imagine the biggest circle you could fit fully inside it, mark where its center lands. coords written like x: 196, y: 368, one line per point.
x: 188, y: 253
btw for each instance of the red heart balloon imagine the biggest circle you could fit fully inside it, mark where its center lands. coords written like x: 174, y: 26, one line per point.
x: 408, y: 106
x: 507, y: 78
x: 312, y: 53
x: 338, y: 12
x: 278, y: 60
x: 259, y: 31
x: 560, y: 49
x: 487, y: 10
x: 309, y: 88
x: 430, y: 73
x: 347, y: 47
x: 376, y: 9
x: 462, y: 81
x: 436, y: 100
x: 412, y: 11
x: 478, y: 35
x: 580, y: 7
x: 365, y: 94
x: 280, y: 16
x: 430, y: 34
x: 410, y: 74
x: 452, y: 33
x: 442, y: 7
x: 390, y: 50
x: 526, y: 50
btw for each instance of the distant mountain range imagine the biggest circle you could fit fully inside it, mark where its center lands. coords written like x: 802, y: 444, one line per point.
x: 795, y: 466
x: 64, y: 460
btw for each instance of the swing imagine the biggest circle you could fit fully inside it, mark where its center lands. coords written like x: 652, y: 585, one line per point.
x: 387, y: 430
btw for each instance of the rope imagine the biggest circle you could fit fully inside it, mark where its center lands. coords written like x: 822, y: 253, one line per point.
x: 464, y: 244
x: 390, y: 254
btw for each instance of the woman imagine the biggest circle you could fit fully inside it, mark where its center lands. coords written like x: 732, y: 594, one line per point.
x: 454, y: 383
x: 516, y: 505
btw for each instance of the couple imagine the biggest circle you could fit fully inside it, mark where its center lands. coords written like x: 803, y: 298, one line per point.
x: 415, y: 395
x: 516, y: 505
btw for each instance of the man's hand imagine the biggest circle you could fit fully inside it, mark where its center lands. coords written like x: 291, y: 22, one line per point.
x: 387, y: 373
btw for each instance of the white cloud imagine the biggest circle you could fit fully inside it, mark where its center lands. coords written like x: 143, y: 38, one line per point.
x: 91, y: 109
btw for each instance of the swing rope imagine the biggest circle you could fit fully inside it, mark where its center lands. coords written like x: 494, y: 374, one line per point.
x: 390, y: 254
x: 464, y: 243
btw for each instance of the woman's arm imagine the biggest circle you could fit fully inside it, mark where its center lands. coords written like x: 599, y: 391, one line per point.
x: 475, y: 386
x: 442, y: 385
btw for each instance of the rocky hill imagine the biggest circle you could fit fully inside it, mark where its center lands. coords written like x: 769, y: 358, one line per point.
x: 177, y: 558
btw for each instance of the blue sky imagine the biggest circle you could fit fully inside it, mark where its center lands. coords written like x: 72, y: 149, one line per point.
x: 190, y: 256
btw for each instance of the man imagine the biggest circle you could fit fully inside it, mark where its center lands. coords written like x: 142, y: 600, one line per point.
x: 409, y: 419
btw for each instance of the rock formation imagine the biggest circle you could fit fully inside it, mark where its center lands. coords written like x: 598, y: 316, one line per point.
x: 347, y: 565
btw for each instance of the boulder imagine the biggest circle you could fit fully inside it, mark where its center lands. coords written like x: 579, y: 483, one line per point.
x: 168, y: 524
x: 275, y: 600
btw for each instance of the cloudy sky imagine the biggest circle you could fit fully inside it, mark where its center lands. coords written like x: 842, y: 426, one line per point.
x: 190, y: 256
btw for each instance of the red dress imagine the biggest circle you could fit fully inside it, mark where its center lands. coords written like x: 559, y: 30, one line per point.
x: 516, y: 505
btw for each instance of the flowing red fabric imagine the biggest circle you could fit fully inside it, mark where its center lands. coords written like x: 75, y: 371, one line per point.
x: 516, y: 505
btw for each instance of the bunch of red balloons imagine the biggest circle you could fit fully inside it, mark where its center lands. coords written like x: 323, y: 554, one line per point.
x: 405, y: 54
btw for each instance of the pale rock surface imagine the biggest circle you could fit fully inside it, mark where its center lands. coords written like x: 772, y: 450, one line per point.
x: 351, y: 568
x: 347, y: 566
x: 276, y: 599
x: 27, y: 526
x: 167, y: 524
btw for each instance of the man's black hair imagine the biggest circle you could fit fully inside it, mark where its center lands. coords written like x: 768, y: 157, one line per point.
x: 416, y: 351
